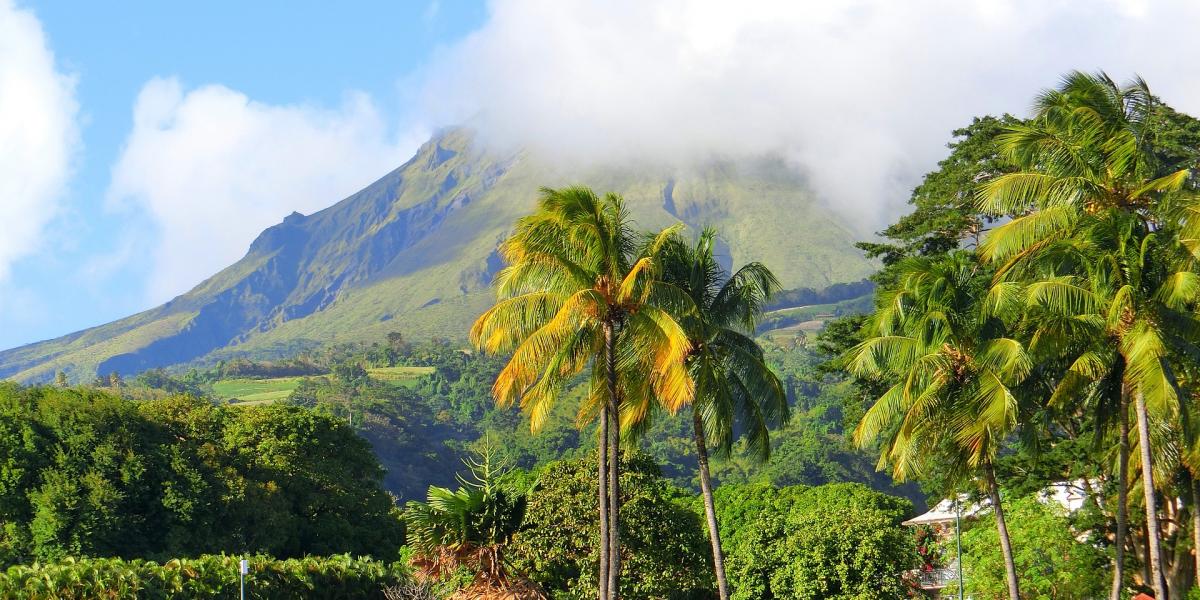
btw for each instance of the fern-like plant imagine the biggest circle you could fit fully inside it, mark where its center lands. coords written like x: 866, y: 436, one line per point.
x: 471, y: 525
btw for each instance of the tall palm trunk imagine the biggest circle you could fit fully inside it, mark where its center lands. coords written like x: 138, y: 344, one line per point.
x: 1196, y: 524
x: 614, y: 502
x: 1152, y: 530
x: 614, y: 466
x: 1010, y: 565
x: 602, y: 444
x: 1122, y: 501
x: 710, y: 511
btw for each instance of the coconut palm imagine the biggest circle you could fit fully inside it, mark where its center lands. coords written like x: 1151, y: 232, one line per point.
x: 1090, y: 203
x: 732, y: 381
x: 1077, y: 321
x: 945, y: 352
x: 575, y: 293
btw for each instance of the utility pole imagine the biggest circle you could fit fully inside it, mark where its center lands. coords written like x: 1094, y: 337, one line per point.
x: 243, y: 569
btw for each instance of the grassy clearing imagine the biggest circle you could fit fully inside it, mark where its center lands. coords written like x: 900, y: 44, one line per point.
x: 399, y: 375
x: 256, y: 391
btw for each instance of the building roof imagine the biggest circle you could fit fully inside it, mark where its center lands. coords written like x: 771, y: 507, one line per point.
x: 944, y: 512
x: 1067, y: 494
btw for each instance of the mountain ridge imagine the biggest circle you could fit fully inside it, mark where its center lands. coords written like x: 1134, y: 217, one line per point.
x: 416, y: 249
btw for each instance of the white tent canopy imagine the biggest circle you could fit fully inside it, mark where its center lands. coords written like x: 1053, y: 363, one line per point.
x: 1068, y: 494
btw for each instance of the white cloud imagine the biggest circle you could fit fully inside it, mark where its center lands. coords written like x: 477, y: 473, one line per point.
x: 38, y: 134
x: 212, y: 168
x: 861, y: 94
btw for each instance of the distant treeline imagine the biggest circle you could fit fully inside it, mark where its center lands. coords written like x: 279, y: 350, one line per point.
x: 290, y: 367
x: 834, y: 293
x: 418, y: 427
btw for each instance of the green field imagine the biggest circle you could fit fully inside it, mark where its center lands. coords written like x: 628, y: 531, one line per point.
x: 256, y: 391
x: 250, y: 392
x: 399, y: 375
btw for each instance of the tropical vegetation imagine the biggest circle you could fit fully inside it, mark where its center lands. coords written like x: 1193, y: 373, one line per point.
x: 574, y: 296
x: 733, y: 384
x: 1039, y: 298
x: 641, y: 418
x: 85, y: 473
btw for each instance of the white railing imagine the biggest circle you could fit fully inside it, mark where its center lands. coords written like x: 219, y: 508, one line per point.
x: 937, y: 578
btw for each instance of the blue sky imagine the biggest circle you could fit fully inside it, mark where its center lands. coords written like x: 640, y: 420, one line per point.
x: 144, y: 144
x: 279, y: 53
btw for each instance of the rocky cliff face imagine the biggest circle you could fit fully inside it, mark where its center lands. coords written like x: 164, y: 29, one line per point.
x: 416, y: 250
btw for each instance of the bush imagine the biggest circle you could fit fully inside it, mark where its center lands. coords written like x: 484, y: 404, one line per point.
x: 664, y: 548
x: 1051, y: 561
x: 212, y: 576
x: 840, y: 541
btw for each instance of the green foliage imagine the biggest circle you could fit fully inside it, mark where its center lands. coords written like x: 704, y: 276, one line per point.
x: 733, y: 384
x: 88, y: 474
x: 241, y: 368
x: 664, y: 551
x: 841, y: 541
x: 475, y: 522
x: 261, y: 391
x: 212, y: 576
x: 946, y: 351
x: 833, y: 294
x: 1052, y: 561
x: 944, y: 212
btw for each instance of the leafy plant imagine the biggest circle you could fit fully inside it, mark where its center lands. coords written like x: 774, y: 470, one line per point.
x: 664, y: 552
x: 838, y: 541
x: 211, y: 576
x: 471, y: 525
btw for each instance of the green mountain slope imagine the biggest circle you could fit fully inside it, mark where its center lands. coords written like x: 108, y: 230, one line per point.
x: 415, y: 252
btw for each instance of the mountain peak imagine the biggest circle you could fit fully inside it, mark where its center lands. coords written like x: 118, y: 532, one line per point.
x: 416, y: 250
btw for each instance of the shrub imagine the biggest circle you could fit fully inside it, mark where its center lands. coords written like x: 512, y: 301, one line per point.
x: 1051, y: 559
x: 665, y: 552
x: 837, y: 541
x: 211, y: 576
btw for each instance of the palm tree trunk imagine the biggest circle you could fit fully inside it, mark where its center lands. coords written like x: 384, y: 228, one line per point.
x: 602, y: 444
x: 1122, y: 501
x: 710, y: 511
x: 1152, y: 529
x: 1010, y: 565
x: 614, y: 466
x: 614, y: 501
x: 1196, y: 525
x: 1144, y: 547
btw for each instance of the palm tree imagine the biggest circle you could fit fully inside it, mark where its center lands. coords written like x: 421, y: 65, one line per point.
x: 944, y: 350
x: 575, y: 292
x: 1089, y: 188
x: 733, y: 382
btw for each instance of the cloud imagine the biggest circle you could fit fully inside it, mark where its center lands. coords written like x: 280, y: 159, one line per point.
x: 860, y: 94
x: 212, y: 168
x: 38, y: 134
